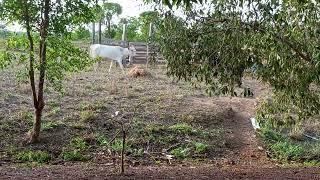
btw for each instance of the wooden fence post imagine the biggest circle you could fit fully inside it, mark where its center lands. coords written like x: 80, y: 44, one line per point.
x: 124, y: 35
x: 148, y: 43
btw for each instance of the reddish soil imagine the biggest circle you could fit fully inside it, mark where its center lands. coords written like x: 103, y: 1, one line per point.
x: 208, y: 172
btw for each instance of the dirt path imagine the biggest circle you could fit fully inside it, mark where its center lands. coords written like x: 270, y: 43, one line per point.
x: 244, y: 150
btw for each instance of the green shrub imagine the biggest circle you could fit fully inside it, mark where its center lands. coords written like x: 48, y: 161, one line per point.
x: 79, y: 143
x: 102, y: 140
x: 283, y: 148
x: 270, y: 135
x: 34, y: 156
x: 117, y: 145
x: 286, y: 151
x: 200, y: 147
x: 74, y: 155
x: 180, y: 152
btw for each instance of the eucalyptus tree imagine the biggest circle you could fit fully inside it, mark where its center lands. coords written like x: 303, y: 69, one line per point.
x: 171, y: 3
x: 49, y: 54
x: 145, y: 19
x: 94, y: 26
x: 132, y: 25
x: 280, y: 38
x: 109, y: 11
x: 101, y: 18
x: 81, y: 33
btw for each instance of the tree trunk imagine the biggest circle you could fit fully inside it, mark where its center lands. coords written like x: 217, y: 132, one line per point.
x: 99, y: 36
x: 93, y: 33
x: 37, y: 122
x: 31, y: 56
x: 43, y: 50
x: 34, y: 137
x: 94, y: 29
x: 109, y: 27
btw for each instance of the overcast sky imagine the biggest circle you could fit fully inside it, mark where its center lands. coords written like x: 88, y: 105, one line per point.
x: 130, y: 8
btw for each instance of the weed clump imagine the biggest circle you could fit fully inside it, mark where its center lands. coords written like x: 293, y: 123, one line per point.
x: 180, y: 152
x: 74, y: 155
x: 182, y: 128
x: 79, y: 143
x: 34, y: 156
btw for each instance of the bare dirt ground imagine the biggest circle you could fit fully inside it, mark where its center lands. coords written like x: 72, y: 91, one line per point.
x: 238, y: 154
x: 176, y: 172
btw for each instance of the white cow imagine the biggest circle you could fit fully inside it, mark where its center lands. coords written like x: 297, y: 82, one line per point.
x: 113, y: 53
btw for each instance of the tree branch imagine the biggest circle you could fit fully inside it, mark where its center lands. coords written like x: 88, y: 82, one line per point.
x: 31, y: 54
x: 256, y: 27
x: 43, y: 48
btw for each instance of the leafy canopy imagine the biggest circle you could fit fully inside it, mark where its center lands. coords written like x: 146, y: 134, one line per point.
x: 62, y: 56
x: 111, y: 9
x: 171, y: 3
x: 278, y: 40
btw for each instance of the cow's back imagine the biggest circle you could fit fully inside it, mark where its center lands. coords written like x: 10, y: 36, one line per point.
x: 110, y: 52
x: 106, y: 52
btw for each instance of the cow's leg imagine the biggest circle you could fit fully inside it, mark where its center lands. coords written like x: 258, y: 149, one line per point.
x: 95, y: 66
x: 110, y: 66
x: 121, y: 65
x: 99, y: 63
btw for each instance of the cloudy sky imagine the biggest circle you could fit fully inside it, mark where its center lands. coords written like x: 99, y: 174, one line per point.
x: 130, y: 8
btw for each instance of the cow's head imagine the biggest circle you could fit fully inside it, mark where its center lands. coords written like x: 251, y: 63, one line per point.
x: 126, y: 52
x: 132, y: 50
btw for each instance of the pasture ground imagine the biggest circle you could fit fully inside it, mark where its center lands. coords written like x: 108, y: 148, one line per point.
x: 174, y: 131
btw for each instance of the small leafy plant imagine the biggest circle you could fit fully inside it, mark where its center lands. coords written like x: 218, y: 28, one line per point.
x: 49, y: 125
x: 180, y: 152
x: 34, y: 156
x: 74, y: 155
x: 79, y: 143
x: 181, y: 128
x: 200, y: 147
x: 102, y: 140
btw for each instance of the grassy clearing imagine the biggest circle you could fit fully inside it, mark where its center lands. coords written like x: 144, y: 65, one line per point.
x: 79, y: 125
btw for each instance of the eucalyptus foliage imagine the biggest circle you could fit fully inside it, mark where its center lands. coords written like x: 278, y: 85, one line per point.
x: 45, y: 49
x: 172, y: 3
x: 279, y: 40
x: 109, y: 10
